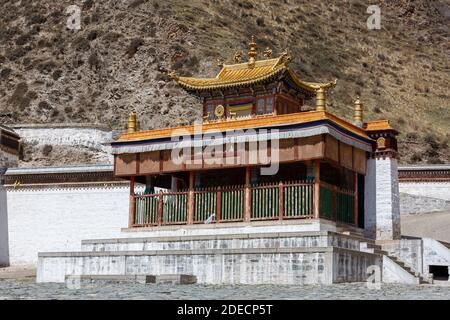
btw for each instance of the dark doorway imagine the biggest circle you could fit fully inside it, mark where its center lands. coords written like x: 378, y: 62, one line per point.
x: 361, y: 179
x: 439, y: 272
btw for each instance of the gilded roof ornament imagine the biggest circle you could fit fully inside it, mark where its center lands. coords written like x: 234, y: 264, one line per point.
x: 267, y: 53
x: 220, y: 62
x: 285, y: 58
x: 252, y: 52
x: 173, y: 75
x: 237, y: 58
x: 358, y: 112
x: 132, y: 122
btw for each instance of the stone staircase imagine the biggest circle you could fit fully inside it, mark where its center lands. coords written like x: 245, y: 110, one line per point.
x: 368, y: 245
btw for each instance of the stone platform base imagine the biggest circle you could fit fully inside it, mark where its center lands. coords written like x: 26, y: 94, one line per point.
x: 277, y: 253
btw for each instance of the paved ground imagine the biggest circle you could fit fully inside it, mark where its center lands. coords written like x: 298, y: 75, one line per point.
x: 432, y: 225
x: 19, y: 272
x: 28, y: 289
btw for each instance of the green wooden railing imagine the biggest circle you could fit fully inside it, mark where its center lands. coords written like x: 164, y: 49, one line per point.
x: 292, y: 199
x: 298, y: 199
x: 146, y: 209
x: 205, y: 204
x: 161, y: 208
x: 265, y: 202
x: 219, y: 204
x: 232, y: 204
x: 175, y: 207
x: 337, y: 204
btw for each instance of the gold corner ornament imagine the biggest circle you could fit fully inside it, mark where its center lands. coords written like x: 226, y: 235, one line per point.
x: 237, y: 58
x: 267, y: 53
x: 220, y: 62
x: 173, y: 75
x: 219, y: 111
x: 284, y: 59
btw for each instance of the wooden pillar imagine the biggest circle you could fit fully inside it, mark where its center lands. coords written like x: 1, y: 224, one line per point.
x: 190, y: 216
x: 247, y: 195
x: 281, y: 200
x: 160, y: 208
x: 219, y: 205
x: 317, y: 189
x: 132, y: 204
x: 355, y: 199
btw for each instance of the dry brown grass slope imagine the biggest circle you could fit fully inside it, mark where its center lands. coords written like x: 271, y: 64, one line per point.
x: 117, y: 61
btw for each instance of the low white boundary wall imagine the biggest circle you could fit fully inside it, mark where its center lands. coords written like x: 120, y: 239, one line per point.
x: 46, y: 219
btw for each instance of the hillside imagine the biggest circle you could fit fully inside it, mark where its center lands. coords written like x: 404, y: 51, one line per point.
x: 118, y: 61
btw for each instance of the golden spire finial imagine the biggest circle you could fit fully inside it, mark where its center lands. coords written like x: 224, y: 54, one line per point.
x: 132, y: 122
x: 358, y: 113
x: 252, y: 52
x: 321, y: 99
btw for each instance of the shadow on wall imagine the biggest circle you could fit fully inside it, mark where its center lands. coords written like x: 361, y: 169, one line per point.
x: 4, y: 244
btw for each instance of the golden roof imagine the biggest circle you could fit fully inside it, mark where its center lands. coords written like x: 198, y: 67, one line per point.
x: 263, y: 121
x: 248, y: 73
x: 378, y: 125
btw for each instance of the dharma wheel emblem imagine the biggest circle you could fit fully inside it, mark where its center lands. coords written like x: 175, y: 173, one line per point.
x: 220, y: 111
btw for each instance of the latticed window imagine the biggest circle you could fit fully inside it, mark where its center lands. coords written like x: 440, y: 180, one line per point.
x: 210, y: 109
x: 264, y: 105
x: 269, y: 105
x: 261, y: 106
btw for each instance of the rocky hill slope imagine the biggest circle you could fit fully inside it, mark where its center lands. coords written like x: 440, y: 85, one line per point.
x: 118, y: 61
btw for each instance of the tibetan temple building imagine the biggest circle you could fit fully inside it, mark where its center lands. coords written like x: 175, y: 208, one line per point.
x: 268, y: 149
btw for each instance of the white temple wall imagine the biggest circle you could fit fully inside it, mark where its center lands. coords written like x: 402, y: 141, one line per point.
x: 4, y: 249
x: 436, y: 190
x: 41, y: 220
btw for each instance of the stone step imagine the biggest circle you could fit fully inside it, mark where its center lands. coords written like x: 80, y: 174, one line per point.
x: 405, y: 267
x: 83, y: 254
x: 224, y: 241
x: 143, y: 279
